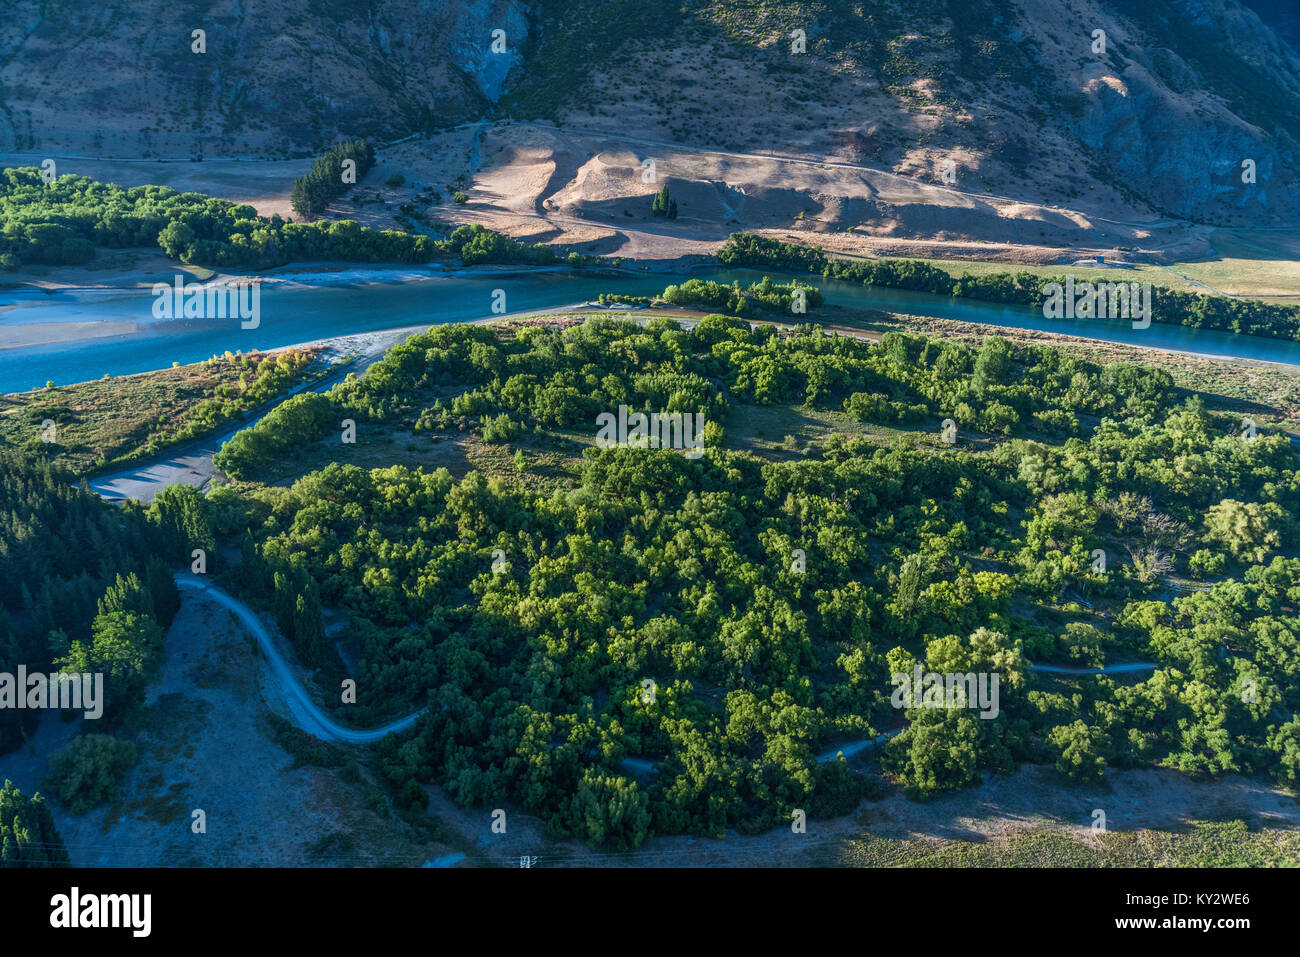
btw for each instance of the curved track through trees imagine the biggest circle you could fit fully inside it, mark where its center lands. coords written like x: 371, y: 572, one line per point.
x: 309, y: 717
x: 306, y: 713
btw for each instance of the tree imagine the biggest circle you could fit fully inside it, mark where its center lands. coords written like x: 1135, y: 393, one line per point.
x: 1245, y: 529
x: 28, y: 837
x: 308, y: 627
x: 992, y: 364
x: 127, y: 594
x: 165, y: 596
x: 90, y: 770
x: 937, y: 751
x: 1285, y: 743
x: 661, y: 204
x: 126, y: 647
x: 1079, y: 751
x: 325, y: 182
x: 252, y: 566
x: 180, y: 512
x: 611, y: 810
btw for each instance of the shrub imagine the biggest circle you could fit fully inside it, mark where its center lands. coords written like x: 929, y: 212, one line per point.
x: 500, y: 428
x: 1205, y: 563
x: 89, y: 771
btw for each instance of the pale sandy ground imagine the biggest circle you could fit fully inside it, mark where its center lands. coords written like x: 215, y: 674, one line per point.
x: 584, y: 190
x: 27, y: 334
x: 1033, y: 799
x: 208, y: 746
x: 110, y: 269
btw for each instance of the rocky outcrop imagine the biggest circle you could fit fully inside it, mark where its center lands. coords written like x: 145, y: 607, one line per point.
x: 505, y: 25
x: 1186, y: 136
x: 265, y: 77
x: 1160, y: 124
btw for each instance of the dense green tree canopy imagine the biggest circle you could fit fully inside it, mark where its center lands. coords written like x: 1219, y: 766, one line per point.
x: 670, y: 643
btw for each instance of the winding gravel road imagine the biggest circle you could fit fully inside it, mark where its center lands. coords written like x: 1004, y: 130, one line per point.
x: 851, y: 748
x: 306, y: 714
x: 310, y: 718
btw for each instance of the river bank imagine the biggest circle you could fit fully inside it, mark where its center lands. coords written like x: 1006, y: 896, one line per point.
x: 143, y: 269
x: 312, y: 306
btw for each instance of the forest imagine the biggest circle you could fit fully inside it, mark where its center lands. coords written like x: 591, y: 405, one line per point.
x: 325, y: 182
x: 1244, y: 316
x: 791, y: 299
x: 648, y: 643
x: 65, y: 221
x: 765, y: 601
x: 87, y: 587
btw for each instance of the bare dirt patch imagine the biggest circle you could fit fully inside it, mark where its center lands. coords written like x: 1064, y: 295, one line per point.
x: 1034, y: 802
x: 209, y: 746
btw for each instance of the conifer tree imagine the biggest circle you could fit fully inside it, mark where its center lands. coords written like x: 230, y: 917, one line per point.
x: 28, y: 837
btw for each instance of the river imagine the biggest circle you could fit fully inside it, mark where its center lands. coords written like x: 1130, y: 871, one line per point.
x: 306, y: 308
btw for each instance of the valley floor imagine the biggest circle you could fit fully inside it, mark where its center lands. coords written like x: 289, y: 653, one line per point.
x: 582, y: 189
x: 209, y: 742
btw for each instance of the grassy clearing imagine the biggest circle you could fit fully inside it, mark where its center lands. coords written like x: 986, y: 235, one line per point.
x: 1253, y: 263
x: 1156, y: 275
x: 112, y: 422
x: 785, y: 431
x: 549, y: 460
x: 378, y: 445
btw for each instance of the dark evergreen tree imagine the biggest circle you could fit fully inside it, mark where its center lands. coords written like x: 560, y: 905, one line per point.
x: 659, y: 206
x: 28, y: 837
x: 162, y: 589
x: 325, y: 182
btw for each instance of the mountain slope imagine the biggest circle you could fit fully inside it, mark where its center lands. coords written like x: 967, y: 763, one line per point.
x: 1010, y: 92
